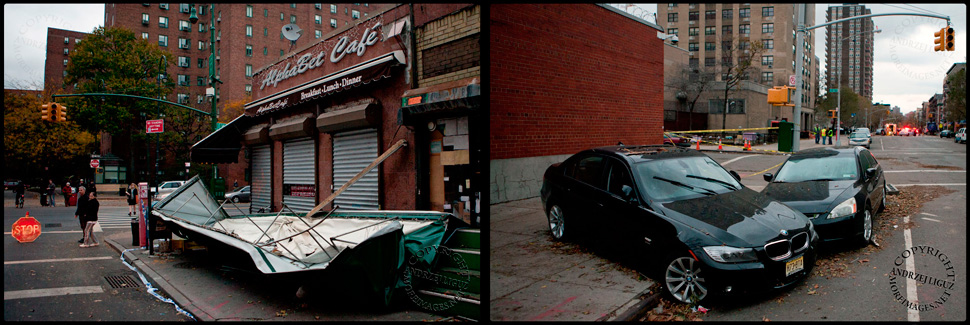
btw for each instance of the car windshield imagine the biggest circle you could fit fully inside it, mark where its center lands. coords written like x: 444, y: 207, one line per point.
x: 676, y: 179
x: 858, y: 135
x: 832, y: 168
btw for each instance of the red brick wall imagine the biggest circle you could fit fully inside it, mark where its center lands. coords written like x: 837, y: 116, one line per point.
x: 570, y: 77
x: 54, y: 66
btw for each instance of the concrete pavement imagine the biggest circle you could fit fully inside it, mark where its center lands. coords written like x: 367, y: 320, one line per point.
x: 771, y: 148
x: 535, y: 278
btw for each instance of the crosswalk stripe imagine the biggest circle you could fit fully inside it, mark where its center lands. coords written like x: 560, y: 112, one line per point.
x: 21, y: 294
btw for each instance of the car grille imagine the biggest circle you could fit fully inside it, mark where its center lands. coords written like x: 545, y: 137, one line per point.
x: 782, y: 249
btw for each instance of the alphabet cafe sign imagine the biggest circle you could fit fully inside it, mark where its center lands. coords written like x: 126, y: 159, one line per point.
x: 318, y: 61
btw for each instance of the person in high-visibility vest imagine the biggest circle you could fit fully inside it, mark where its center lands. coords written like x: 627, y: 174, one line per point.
x: 817, y: 131
x: 829, y: 134
x: 822, y: 132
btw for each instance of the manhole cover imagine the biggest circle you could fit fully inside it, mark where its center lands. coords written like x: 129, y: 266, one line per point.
x: 122, y: 281
x: 51, y: 225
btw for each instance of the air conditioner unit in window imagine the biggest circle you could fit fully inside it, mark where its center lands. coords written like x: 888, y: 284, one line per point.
x: 217, y: 58
x: 218, y: 39
x: 219, y: 20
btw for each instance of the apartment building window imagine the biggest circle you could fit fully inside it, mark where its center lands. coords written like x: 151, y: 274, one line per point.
x: 692, y: 47
x: 767, y: 11
x: 249, y: 11
x: 317, y: 6
x: 744, y: 45
x: 710, y: 30
x: 672, y: 31
x: 333, y: 23
x: 185, y: 26
x: 293, y: 19
x: 769, y: 44
x: 293, y: 5
x: 671, y: 5
x: 692, y: 31
x: 265, y: 12
x: 249, y: 70
x: 201, y: 45
x: 317, y: 19
x: 354, y: 14
x: 144, y: 20
x: 710, y: 62
x: 282, y: 17
x: 744, y: 29
x: 200, y: 81
x: 249, y: 88
x: 672, y: 17
x: 249, y: 30
x: 727, y: 13
x: 766, y: 77
x: 184, y: 43
x: 184, y: 8
x: 183, y: 81
x: 264, y: 51
x: 333, y: 8
x: 162, y: 41
x: 183, y: 98
x: 163, y: 6
x: 163, y: 22
x: 726, y: 45
x: 144, y: 35
x: 265, y: 31
x: 767, y: 28
x: 767, y: 60
x: 317, y: 33
x: 201, y: 27
x: 281, y: 52
x: 65, y: 51
x: 65, y: 62
x: 201, y: 62
x: 693, y: 15
x: 744, y: 13
x: 709, y: 46
x: 249, y: 50
x: 183, y: 62
x: 693, y: 62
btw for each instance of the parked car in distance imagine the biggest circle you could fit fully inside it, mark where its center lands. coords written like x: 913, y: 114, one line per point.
x: 241, y: 194
x: 166, y: 187
x: 946, y: 134
x: 697, y: 228
x: 675, y: 140
x: 839, y: 189
x: 10, y: 184
x: 859, y: 138
x: 905, y: 132
x: 866, y: 130
x: 961, y: 136
x: 880, y: 131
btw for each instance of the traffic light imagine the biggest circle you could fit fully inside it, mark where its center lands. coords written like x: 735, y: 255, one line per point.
x: 780, y: 96
x: 45, y: 112
x: 949, y: 39
x: 60, y: 112
x: 939, y: 41
x: 831, y: 113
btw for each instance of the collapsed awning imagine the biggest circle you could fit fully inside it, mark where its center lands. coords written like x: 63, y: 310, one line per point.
x: 450, y: 99
x: 364, y: 73
x: 223, y: 145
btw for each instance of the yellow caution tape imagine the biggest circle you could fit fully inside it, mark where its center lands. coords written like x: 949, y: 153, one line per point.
x: 769, y: 168
x: 728, y: 145
x: 724, y: 130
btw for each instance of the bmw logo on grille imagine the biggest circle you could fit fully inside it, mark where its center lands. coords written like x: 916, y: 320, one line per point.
x: 784, y: 232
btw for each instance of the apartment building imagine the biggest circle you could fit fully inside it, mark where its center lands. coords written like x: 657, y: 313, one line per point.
x: 707, y: 29
x: 60, y: 43
x: 849, y: 49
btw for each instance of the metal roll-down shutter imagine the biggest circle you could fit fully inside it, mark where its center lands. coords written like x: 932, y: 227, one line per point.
x: 299, y: 183
x: 262, y: 172
x: 352, y: 152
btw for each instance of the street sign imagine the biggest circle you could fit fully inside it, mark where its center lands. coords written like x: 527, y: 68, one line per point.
x: 26, y: 229
x: 833, y: 90
x: 95, y: 163
x: 154, y: 126
x: 791, y: 80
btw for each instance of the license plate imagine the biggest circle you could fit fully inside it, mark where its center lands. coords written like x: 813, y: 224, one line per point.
x: 794, y: 265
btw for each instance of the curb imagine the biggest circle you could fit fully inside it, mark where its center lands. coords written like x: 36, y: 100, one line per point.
x: 639, y: 308
x: 162, y: 284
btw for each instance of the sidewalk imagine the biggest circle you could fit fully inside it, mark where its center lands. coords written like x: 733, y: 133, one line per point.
x: 535, y: 278
x: 770, y: 148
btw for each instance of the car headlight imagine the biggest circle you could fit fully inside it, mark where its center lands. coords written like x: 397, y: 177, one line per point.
x: 727, y: 254
x: 844, y: 209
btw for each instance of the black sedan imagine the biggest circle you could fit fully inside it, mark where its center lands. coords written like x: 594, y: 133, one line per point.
x: 839, y: 189
x: 691, y: 220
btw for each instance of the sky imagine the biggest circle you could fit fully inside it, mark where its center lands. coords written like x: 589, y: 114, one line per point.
x: 906, y: 73
x: 906, y: 70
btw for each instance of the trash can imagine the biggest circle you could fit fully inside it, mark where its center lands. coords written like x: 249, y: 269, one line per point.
x: 134, y: 232
x: 43, y: 198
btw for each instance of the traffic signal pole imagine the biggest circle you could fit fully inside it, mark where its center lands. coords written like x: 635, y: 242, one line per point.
x: 800, y: 56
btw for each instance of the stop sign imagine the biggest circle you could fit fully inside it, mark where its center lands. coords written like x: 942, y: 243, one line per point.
x: 26, y: 229
x: 95, y: 163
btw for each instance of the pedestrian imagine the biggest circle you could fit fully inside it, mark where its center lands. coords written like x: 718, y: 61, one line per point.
x: 132, y: 198
x: 19, y: 190
x: 817, y: 135
x: 91, y: 188
x: 50, y: 191
x: 92, y: 219
x: 66, y: 190
x: 235, y: 184
x: 830, y: 133
x: 79, y: 213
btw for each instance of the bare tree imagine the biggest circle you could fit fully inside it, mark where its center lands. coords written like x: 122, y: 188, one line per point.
x: 690, y: 84
x: 746, y: 52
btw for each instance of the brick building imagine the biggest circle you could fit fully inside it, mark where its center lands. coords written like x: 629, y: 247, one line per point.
x: 60, y: 43
x: 324, y: 111
x: 565, y: 78
x: 248, y: 37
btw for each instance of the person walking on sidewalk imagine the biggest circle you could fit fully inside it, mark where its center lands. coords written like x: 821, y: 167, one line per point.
x: 92, y: 220
x: 132, y: 198
x: 817, y: 130
x: 66, y: 190
x: 82, y: 204
x: 50, y: 191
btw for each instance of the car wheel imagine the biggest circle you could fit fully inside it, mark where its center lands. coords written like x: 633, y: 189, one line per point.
x: 684, y: 280
x: 557, y: 222
x: 235, y: 199
x: 866, y: 228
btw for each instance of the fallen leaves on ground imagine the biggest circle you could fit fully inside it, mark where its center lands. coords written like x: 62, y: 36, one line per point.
x: 670, y: 312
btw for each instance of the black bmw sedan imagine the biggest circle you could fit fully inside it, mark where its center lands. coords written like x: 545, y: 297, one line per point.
x: 839, y: 189
x: 689, y: 218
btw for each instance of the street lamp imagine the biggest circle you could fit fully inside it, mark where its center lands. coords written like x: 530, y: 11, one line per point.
x: 838, y: 109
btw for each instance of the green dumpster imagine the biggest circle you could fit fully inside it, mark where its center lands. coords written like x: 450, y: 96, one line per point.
x: 785, y: 137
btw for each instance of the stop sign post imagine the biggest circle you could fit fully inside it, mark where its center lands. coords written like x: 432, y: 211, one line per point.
x: 26, y: 229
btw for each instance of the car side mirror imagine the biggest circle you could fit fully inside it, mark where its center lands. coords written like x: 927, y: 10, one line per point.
x: 871, y: 172
x: 735, y: 175
x: 768, y: 177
